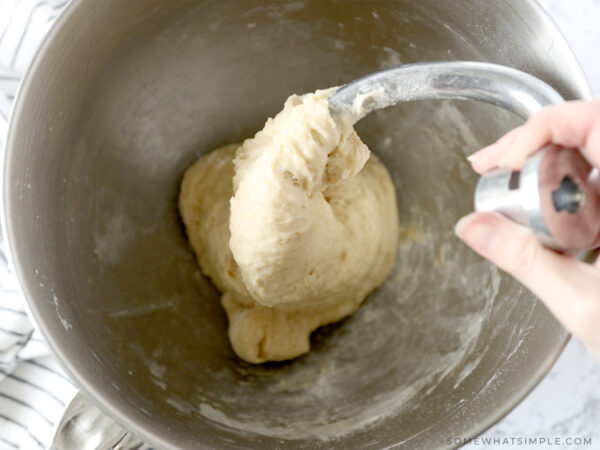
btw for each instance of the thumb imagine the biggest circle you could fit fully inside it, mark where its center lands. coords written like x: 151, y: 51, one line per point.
x: 568, y: 287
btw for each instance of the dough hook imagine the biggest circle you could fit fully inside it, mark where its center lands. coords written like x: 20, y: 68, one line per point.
x: 555, y: 194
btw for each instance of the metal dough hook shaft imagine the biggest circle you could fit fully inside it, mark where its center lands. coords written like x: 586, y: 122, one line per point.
x: 508, y: 88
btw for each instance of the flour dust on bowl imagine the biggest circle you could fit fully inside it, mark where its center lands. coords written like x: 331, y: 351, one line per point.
x: 123, y: 96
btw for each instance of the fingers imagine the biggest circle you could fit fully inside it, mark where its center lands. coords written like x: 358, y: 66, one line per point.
x: 569, y: 288
x: 487, y: 158
x: 591, y: 149
x: 571, y: 124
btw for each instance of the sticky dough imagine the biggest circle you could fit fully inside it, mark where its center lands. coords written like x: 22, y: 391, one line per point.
x: 295, y: 227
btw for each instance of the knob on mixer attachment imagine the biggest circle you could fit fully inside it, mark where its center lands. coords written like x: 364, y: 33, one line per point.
x: 556, y: 195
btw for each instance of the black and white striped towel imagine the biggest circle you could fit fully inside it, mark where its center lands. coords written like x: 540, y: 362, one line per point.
x: 33, y: 388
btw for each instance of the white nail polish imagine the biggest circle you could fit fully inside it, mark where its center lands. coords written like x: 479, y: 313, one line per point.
x: 460, y: 225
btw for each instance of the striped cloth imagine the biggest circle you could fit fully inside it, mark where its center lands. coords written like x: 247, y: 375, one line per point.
x: 33, y: 388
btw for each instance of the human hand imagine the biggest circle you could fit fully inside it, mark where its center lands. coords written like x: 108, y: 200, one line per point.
x: 569, y: 288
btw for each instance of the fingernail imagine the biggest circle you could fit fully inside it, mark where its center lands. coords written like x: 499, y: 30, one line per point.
x: 460, y: 225
x: 472, y: 157
x: 506, y: 162
x: 478, y: 233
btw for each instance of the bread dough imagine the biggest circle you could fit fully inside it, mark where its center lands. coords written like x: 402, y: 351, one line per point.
x: 295, y: 227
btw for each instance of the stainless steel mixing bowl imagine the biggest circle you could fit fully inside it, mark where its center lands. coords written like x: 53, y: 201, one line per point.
x: 124, y: 95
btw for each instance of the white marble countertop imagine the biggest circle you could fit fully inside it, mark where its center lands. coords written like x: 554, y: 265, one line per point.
x: 566, y: 404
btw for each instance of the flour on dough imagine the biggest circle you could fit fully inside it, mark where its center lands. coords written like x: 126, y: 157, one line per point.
x: 295, y: 227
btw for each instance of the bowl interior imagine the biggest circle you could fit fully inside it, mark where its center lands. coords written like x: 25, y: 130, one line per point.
x: 127, y: 94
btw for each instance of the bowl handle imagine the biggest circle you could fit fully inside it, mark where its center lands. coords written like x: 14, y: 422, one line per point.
x: 83, y: 426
